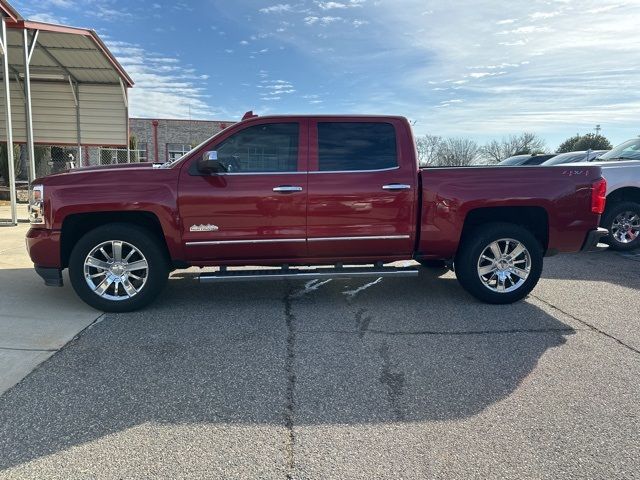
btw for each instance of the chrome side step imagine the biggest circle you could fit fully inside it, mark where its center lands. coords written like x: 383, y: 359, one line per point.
x: 225, y: 275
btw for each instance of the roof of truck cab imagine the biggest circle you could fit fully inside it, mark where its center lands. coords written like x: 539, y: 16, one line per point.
x: 324, y: 115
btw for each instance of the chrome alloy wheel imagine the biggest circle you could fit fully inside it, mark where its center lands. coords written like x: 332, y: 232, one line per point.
x: 626, y: 227
x: 504, y: 265
x: 116, y: 270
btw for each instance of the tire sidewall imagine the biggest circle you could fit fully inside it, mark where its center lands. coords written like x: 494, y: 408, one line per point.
x: 144, y: 241
x: 474, y: 245
x: 607, y: 222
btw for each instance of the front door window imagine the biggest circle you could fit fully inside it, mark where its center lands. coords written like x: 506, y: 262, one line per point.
x: 261, y: 149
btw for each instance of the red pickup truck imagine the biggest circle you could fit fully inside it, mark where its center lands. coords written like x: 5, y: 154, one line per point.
x: 314, y: 196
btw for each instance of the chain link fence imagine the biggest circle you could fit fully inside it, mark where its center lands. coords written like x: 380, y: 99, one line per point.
x: 114, y: 156
x: 51, y: 159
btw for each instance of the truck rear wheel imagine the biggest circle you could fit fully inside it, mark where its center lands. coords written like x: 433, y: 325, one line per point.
x: 499, y: 263
x: 118, y: 267
x: 623, y: 222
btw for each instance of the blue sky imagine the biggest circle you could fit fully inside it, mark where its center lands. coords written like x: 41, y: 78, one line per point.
x: 481, y: 69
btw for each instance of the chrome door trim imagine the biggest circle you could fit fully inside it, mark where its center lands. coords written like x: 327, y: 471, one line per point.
x: 229, y: 174
x: 356, y: 171
x: 245, y: 242
x: 368, y: 237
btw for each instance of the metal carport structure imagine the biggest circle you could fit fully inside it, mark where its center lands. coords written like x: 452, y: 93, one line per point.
x: 61, y: 86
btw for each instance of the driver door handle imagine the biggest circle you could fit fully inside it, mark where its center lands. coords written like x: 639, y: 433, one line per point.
x: 396, y: 186
x: 287, y: 189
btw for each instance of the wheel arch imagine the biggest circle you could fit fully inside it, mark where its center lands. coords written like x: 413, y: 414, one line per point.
x: 533, y: 218
x: 76, y: 226
x: 623, y: 194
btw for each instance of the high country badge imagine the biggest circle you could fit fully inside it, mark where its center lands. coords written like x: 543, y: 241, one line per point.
x: 203, y: 228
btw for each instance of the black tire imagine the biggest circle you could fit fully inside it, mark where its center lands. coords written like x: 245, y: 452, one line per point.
x: 433, y: 264
x: 145, y: 242
x: 608, y: 220
x: 468, y: 258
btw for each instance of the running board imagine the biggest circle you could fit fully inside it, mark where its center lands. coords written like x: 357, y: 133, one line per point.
x: 225, y: 275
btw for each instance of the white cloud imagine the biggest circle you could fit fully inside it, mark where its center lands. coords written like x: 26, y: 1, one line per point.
x: 324, y: 21
x: 108, y: 13
x: 59, y: 3
x: 524, y: 78
x: 275, y: 89
x: 485, y: 74
x: 338, y: 5
x: 46, y: 17
x: 544, y: 15
x: 164, y: 86
x: 278, y: 8
x: 525, y: 30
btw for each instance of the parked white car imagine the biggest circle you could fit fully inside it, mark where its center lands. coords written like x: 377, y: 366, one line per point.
x: 621, y: 169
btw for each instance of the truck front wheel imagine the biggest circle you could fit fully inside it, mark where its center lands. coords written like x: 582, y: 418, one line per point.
x: 118, y: 267
x: 499, y: 263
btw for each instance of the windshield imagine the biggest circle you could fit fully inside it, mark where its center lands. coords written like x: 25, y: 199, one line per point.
x: 515, y: 160
x: 566, y: 158
x: 629, y: 150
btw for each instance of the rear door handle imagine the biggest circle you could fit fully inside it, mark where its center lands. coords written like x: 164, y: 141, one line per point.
x: 396, y: 186
x: 287, y: 189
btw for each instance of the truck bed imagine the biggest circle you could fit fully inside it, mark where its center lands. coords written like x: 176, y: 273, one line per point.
x: 450, y: 195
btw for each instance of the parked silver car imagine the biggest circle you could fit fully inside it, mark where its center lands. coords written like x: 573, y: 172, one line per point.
x: 572, y: 157
x: 621, y: 169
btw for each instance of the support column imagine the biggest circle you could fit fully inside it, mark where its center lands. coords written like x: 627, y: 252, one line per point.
x: 78, y: 126
x: 28, y: 52
x: 8, y: 125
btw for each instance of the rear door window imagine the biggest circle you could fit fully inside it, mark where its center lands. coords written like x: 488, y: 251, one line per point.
x: 353, y: 146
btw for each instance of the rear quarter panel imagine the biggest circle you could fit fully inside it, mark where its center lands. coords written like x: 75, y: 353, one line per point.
x: 450, y: 194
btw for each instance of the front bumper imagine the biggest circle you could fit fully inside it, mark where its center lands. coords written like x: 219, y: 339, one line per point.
x: 593, y: 238
x: 43, y: 246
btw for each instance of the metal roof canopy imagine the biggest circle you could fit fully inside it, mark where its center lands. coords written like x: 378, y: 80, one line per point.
x: 61, y: 86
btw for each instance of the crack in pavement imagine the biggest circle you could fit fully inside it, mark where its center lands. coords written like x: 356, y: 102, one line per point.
x: 362, y: 321
x: 443, y: 333
x: 289, y: 413
x: 17, y: 349
x: 393, y: 381
x: 587, y: 324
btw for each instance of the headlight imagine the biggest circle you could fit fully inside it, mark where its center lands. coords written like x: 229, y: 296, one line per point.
x: 36, y: 205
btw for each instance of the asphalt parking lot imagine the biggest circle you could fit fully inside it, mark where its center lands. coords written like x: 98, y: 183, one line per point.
x: 399, y: 378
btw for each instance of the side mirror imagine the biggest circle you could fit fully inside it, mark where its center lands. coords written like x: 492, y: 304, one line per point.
x: 209, y: 163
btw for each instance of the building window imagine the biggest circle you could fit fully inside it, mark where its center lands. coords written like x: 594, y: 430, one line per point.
x: 176, y: 150
x: 142, y: 152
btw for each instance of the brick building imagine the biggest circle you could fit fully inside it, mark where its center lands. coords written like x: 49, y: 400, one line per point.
x: 160, y: 140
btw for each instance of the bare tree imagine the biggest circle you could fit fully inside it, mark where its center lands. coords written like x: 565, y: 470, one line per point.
x: 526, y: 142
x: 427, y: 147
x: 457, y: 152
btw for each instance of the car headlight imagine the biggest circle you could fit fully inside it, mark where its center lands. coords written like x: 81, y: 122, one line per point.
x: 36, y: 205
